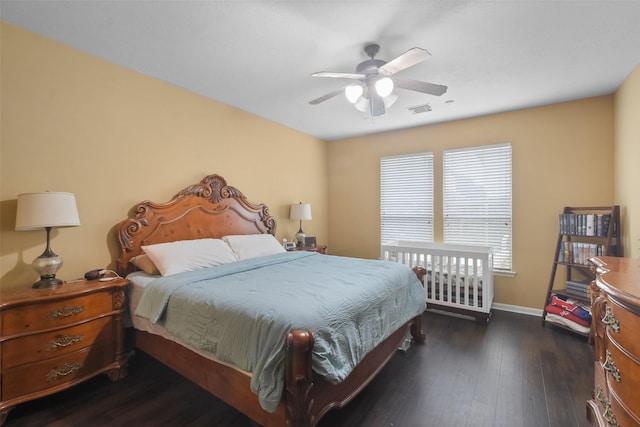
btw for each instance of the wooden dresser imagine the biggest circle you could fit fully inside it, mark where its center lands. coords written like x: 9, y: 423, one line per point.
x: 615, y: 308
x: 54, y: 338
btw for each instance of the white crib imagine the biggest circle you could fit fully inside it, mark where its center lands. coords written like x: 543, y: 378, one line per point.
x: 470, y: 268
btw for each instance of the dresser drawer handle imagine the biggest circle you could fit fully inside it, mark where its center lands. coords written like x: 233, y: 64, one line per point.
x: 63, y: 371
x: 610, y: 366
x: 62, y: 341
x: 601, y: 397
x: 608, y: 414
x: 610, y: 320
x: 65, y: 311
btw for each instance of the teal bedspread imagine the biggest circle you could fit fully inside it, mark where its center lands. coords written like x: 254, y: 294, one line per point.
x: 241, y: 312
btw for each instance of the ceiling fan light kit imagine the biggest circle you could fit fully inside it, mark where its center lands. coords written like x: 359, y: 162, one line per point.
x: 384, y: 86
x: 353, y: 92
x: 373, y: 93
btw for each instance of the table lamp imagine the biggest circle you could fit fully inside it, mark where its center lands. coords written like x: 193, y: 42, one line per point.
x: 46, y: 210
x: 300, y: 212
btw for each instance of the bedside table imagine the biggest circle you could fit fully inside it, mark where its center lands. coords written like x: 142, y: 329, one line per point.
x: 321, y: 249
x: 54, y: 338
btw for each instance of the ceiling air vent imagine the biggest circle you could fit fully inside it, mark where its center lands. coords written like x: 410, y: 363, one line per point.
x: 417, y: 109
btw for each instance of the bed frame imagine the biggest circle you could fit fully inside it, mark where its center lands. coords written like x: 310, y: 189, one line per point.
x: 457, y: 278
x: 212, y: 209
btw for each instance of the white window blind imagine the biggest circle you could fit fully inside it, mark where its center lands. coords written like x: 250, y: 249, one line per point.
x: 477, y: 199
x: 406, y: 197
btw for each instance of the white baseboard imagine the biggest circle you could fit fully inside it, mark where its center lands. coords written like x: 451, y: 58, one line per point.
x: 518, y: 309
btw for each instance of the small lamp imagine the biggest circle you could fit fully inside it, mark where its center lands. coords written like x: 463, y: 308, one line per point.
x: 300, y: 212
x: 46, y: 210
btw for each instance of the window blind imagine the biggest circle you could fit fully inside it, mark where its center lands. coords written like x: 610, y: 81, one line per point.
x: 477, y: 199
x: 406, y: 197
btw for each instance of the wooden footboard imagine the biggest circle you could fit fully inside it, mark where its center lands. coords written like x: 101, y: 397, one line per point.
x: 307, y: 396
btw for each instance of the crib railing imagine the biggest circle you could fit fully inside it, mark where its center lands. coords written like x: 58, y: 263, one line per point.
x: 459, y: 277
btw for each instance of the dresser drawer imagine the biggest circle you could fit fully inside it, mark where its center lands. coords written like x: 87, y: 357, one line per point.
x: 31, y: 348
x: 627, y: 371
x: 30, y: 378
x: 30, y: 318
x: 622, y: 412
x: 629, y: 329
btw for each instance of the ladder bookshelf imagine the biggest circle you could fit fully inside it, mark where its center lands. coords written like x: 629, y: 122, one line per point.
x: 583, y: 233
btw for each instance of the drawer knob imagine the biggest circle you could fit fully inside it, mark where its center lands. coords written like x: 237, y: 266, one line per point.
x: 610, y: 320
x: 62, y: 341
x: 63, y: 371
x: 65, y: 311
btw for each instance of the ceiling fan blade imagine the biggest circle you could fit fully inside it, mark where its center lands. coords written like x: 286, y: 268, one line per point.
x: 327, y: 96
x: 338, y: 75
x: 419, y: 86
x: 406, y: 60
x: 376, y: 105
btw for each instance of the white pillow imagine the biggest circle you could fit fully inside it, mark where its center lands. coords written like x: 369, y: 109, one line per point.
x: 253, y: 245
x: 189, y: 255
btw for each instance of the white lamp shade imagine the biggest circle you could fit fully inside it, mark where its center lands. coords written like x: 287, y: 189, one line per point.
x: 301, y: 212
x: 353, y: 92
x: 384, y: 86
x: 51, y: 209
x: 389, y: 100
x: 361, y: 104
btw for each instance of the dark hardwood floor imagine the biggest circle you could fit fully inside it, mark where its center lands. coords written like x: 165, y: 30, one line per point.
x: 512, y: 372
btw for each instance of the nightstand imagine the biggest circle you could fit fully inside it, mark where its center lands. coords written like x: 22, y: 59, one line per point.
x: 321, y: 249
x: 54, y: 338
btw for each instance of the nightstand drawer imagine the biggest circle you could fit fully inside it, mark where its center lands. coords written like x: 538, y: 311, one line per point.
x: 31, y: 348
x: 29, y: 318
x: 45, y: 374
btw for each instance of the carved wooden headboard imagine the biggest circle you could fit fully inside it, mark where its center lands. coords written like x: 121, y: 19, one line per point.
x: 209, y: 209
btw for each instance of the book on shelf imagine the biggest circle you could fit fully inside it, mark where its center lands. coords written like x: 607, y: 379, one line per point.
x: 605, y: 220
x: 579, y: 288
x: 580, y: 252
x: 590, y: 221
x: 585, y: 224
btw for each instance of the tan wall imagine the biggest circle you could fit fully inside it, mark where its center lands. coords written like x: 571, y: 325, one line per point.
x: 562, y: 156
x: 627, y: 161
x: 73, y: 122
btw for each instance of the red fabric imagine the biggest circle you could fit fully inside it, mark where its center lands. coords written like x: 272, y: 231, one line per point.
x: 564, y: 313
x: 562, y: 303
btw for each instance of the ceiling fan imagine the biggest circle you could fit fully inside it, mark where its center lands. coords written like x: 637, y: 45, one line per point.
x: 375, y: 84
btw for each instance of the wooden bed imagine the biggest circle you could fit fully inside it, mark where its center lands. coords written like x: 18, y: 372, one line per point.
x: 212, y: 209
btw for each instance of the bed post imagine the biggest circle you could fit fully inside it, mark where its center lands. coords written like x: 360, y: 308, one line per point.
x: 298, y: 378
x: 416, y: 327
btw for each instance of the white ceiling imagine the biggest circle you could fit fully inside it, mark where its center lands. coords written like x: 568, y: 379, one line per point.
x: 494, y: 56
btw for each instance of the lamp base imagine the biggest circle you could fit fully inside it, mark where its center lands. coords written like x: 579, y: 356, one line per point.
x: 47, y: 265
x: 47, y: 282
x: 300, y: 237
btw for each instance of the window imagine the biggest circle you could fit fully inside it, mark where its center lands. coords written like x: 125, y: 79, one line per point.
x: 477, y: 199
x: 406, y: 197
